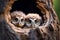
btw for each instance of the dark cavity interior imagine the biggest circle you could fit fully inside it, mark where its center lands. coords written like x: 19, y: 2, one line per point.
x: 27, y: 6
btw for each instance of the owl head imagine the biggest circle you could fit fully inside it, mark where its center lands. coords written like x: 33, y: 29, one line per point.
x: 18, y: 18
x: 33, y: 20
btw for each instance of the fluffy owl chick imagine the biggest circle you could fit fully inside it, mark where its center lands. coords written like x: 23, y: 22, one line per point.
x: 33, y: 20
x: 18, y: 18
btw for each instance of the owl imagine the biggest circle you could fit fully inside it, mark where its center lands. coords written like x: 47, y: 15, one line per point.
x: 18, y: 18
x: 33, y: 20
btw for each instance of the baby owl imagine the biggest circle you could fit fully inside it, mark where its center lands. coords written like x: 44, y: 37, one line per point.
x: 18, y: 18
x: 33, y: 20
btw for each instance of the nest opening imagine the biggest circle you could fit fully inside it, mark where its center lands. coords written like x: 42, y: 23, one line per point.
x: 27, y: 6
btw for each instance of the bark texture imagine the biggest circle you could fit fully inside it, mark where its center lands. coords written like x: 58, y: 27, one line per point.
x: 49, y: 31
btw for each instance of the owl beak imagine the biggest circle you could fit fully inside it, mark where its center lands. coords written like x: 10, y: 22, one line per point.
x: 20, y: 23
x: 33, y: 23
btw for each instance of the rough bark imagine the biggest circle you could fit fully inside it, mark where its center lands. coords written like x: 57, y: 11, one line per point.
x: 49, y: 32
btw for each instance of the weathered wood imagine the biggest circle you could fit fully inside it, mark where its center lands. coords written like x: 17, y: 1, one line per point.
x: 49, y: 31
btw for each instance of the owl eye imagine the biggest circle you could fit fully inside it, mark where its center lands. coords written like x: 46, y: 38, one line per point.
x: 36, y: 21
x: 22, y: 19
x: 16, y: 19
x: 29, y: 21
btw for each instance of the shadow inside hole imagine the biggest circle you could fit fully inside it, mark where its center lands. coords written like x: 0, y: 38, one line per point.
x: 27, y: 6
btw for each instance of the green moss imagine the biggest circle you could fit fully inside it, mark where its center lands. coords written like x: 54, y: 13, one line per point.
x: 57, y: 7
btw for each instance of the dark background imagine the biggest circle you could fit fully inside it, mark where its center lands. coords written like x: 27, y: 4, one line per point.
x: 32, y: 8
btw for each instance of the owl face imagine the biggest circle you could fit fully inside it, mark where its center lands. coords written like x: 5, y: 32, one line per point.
x: 33, y: 20
x: 18, y: 18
